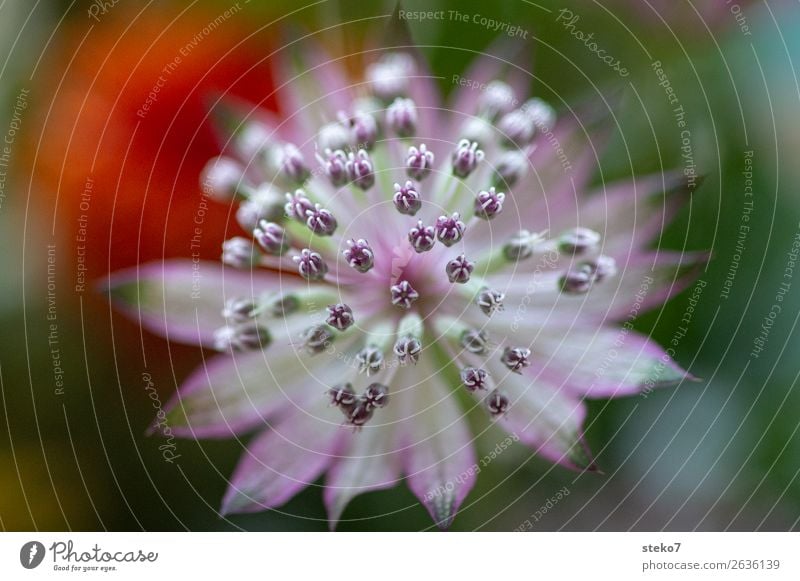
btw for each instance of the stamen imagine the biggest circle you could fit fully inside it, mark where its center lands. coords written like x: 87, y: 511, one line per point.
x: 239, y: 252
x: 459, y: 269
x: 578, y: 241
x: 340, y: 316
x: 577, y: 281
x: 316, y: 339
x: 496, y: 99
x: 320, y: 221
x: 541, y: 113
x: 222, y: 178
x: 363, y: 128
x: 297, y: 205
x: 466, y: 158
x: 474, y: 378
x: 359, y: 169
x: 359, y: 255
x: 369, y: 359
x: 242, y: 337
x: 475, y: 341
x: 282, y: 306
x: 310, y: 265
x: 407, y: 199
x: 490, y: 301
x: 419, y: 162
x: 516, y: 358
x: 238, y: 309
x: 403, y: 294
x: 408, y: 348
x: 422, y: 237
x: 335, y: 165
x: 512, y: 166
x: 450, y: 230
x: 377, y: 395
x: 359, y: 413
x: 489, y: 204
x: 266, y: 203
x: 517, y: 128
x: 342, y: 395
x: 272, y: 238
x: 333, y: 136
x: 401, y: 117
x: 603, y: 267
x: 497, y: 403
x: 519, y: 246
x: 292, y: 163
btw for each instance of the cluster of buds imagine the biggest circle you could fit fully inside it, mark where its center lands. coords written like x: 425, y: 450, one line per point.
x: 358, y: 409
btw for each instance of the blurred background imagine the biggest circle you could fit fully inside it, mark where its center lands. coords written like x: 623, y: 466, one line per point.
x: 86, y: 188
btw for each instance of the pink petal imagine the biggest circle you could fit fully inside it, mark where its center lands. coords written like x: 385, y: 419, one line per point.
x: 440, y: 461
x: 182, y: 300
x: 282, y: 461
x: 369, y: 461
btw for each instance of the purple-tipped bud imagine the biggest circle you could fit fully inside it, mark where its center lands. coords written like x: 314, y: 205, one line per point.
x: 541, y: 113
x: 450, y: 230
x: 342, y: 395
x: 363, y: 128
x: 266, y: 203
x: 369, y: 360
x: 401, y: 117
x: 271, y: 237
x: 407, y: 199
x: 459, y: 269
x: 320, y: 221
x: 282, y: 306
x: 292, y: 163
x: 576, y: 281
x: 388, y: 77
x: 359, y: 169
x: 497, y: 99
x: 377, y: 395
x: 246, y: 336
x: 316, y: 339
x: 422, y: 237
x: 359, y: 413
x: 489, y: 204
x: 333, y: 136
x: 466, y: 158
x: 239, y: 252
x: 475, y: 341
x: 238, y: 310
x: 221, y: 178
x: 512, y: 166
x: 408, y: 349
x: 335, y: 165
x: 578, y: 241
x: 517, y: 128
x: 497, y: 403
x: 310, y: 265
x: 490, y: 301
x: 474, y: 379
x: 297, y: 205
x: 519, y: 246
x: 340, y: 316
x: 516, y: 358
x: 403, y: 294
x: 419, y: 162
x: 359, y: 255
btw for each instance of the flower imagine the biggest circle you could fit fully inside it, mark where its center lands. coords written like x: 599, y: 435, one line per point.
x: 403, y: 296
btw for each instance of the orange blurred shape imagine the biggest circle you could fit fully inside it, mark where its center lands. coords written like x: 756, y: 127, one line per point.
x: 123, y: 131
